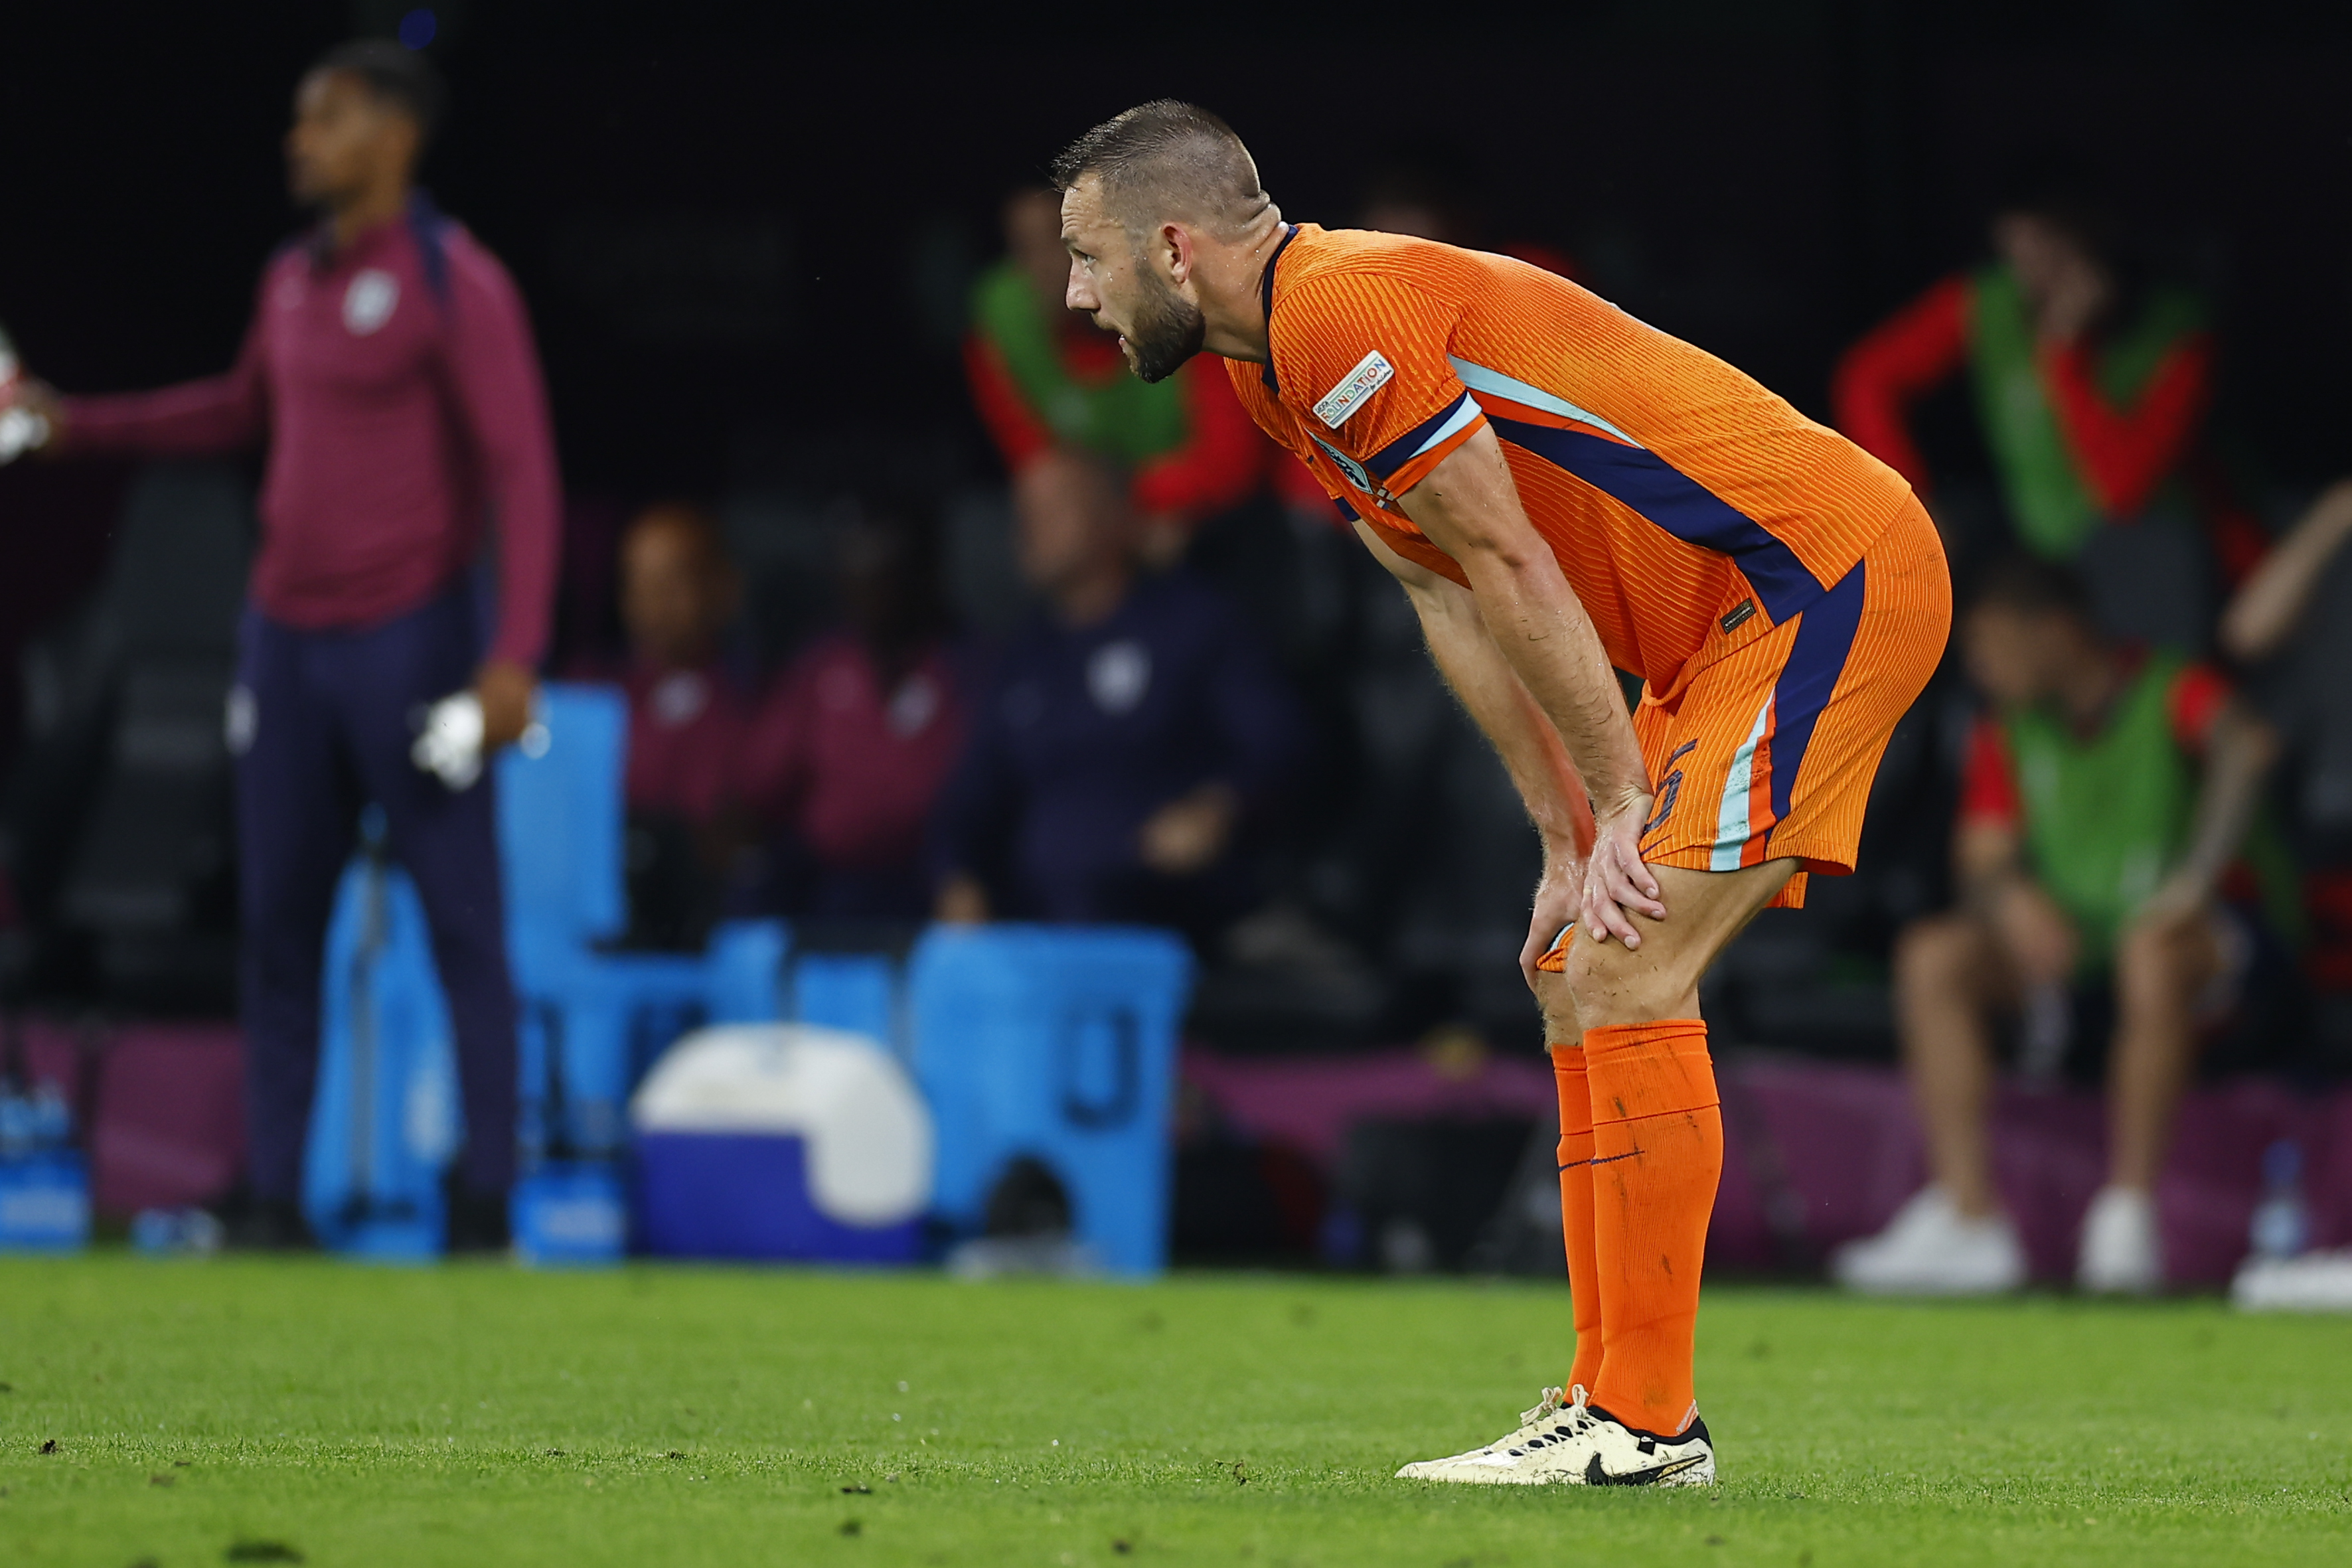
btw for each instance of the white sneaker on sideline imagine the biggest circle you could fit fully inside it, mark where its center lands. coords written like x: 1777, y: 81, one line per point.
x: 1544, y: 1451
x: 2121, y: 1253
x: 2315, y: 1282
x: 1930, y: 1249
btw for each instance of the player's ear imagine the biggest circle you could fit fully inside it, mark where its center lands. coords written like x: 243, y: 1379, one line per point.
x: 1173, y: 246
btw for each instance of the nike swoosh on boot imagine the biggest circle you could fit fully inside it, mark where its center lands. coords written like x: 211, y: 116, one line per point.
x: 1597, y: 1475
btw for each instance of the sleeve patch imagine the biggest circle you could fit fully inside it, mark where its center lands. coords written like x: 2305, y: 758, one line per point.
x: 1371, y: 372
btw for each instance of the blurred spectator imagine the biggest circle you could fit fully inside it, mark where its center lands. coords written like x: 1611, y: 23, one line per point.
x: 2091, y: 383
x: 1126, y: 741
x: 686, y: 721
x: 2270, y: 604
x: 2107, y: 796
x: 849, y: 754
x: 2293, y: 618
x: 389, y: 369
x: 1044, y: 377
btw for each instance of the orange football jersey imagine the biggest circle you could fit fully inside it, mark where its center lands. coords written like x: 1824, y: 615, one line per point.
x: 1692, y: 510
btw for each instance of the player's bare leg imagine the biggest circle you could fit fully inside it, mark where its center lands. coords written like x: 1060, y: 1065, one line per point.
x: 1952, y: 1238
x: 1658, y: 1156
x: 1609, y: 984
x: 1949, y: 977
x: 2161, y: 968
x: 1642, y: 1164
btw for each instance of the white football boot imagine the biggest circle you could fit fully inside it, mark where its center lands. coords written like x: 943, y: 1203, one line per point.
x: 1616, y: 1454
x: 1930, y: 1249
x: 2122, y: 1254
x: 1546, y: 1450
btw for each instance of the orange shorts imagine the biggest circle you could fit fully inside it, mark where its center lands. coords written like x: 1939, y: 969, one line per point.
x: 1768, y: 752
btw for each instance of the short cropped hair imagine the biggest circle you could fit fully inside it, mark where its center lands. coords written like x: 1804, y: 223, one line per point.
x: 395, y: 73
x: 2029, y: 585
x: 1167, y: 159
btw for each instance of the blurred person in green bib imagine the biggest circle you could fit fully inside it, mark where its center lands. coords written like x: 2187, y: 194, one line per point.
x: 2091, y: 383
x: 2115, y: 895
x: 1044, y: 378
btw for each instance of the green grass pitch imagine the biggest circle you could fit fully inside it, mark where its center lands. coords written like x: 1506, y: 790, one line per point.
x: 251, y: 1410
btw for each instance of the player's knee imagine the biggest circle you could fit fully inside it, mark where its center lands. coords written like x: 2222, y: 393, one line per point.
x: 1608, y: 984
x: 1938, y: 956
x: 2161, y: 965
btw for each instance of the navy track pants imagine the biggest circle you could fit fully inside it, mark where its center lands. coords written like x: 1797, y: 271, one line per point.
x: 321, y: 723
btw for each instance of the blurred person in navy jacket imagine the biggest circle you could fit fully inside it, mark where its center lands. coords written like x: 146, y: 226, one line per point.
x: 1126, y: 742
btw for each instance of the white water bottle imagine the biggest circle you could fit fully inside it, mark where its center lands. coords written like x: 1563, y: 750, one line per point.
x: 21, y: 429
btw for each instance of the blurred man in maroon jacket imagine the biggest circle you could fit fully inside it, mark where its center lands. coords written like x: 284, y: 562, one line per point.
x: 389, y: 370
x: 851, y: 748
x: 687, y: 718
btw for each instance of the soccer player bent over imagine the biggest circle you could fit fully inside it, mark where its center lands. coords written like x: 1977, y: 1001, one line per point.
x: 1561, y: 490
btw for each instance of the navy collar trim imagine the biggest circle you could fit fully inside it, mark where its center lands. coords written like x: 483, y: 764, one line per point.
x: 1266, y: 292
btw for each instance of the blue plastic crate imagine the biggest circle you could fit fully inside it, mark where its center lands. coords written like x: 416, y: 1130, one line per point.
x: 385, y: 1118
x: 746, y: 971
x: 1060, y: 1044
x: 570, y: 1215
x: 854, y: 991
x: 45, y: 1201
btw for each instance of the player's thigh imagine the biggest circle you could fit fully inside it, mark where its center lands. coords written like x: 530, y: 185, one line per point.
x: 1704, y: 910
x: 2164, y: 967
x: 295, y: 798
x: 1952, y: 960
x: 1564, y: 1024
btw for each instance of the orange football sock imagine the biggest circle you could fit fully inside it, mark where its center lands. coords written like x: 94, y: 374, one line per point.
x: 1575, y: 1211
x: 1657, y: 1153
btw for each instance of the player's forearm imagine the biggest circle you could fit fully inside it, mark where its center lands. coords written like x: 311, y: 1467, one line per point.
x: 1552, y: 646
x: 1530, y: 749
x: 2264, y: 612
x: 1469, y: 507
x: 2239, y: 756
x: 1499, y: 703
x: 199, y: 417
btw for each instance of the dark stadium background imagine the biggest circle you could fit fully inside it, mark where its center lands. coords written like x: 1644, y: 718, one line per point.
x: 742, y: 234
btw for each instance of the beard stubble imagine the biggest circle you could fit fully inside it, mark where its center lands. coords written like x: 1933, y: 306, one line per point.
x: 1168, y: 330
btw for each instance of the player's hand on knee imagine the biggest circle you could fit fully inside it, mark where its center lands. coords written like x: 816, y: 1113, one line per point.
x: 1617, y: 884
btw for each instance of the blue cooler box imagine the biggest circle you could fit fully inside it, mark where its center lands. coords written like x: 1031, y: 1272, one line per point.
x: 746, y: 1196
x: 781, y: 1143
